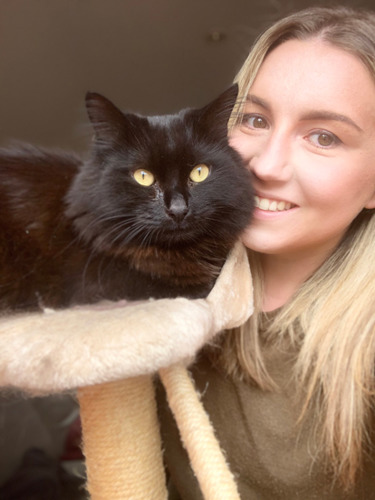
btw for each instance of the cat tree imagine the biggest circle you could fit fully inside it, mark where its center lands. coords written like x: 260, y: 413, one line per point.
x: 94, y: 349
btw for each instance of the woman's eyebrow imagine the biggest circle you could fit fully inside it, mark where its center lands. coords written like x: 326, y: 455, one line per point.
x: 253, y: 99
x: 310, y: 115
x: 331, y: 116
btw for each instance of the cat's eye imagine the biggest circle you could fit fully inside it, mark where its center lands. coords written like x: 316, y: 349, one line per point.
x: 200, y: 173
x: 143, y: 177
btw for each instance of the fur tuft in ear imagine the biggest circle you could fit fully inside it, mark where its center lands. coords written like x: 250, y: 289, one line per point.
x: 216, y: 114
x: 106, y: 119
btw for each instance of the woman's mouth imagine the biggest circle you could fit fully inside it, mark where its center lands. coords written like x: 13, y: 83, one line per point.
x: 270, y: 205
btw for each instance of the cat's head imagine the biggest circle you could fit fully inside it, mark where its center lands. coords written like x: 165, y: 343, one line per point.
x: 162, y: 180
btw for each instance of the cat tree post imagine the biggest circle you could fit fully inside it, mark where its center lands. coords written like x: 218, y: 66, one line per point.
x: 121, y: 436
x: 121, y: 441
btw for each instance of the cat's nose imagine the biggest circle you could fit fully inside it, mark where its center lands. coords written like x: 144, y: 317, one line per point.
x: 178, y: 208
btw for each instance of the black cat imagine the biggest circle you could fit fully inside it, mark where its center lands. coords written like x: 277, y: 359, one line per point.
x: 153, y: 212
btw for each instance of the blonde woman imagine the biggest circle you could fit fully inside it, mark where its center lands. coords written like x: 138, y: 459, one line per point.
x: 291, y: 395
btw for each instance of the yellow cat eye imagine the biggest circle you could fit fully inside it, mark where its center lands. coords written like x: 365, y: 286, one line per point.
x: 144, y: 177
x: 200, y: 173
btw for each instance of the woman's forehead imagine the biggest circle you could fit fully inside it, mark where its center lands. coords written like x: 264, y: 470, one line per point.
x: 316, y: 74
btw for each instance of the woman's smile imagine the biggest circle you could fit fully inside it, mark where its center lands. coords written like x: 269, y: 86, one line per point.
x: 271, y: 205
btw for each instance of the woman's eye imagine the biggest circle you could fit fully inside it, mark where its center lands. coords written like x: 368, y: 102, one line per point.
x: 324, y: 139
x: 255, y: 121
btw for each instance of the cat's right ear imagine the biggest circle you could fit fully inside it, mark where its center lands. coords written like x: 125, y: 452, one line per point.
x: 216, y: 114
x: 107, y: 120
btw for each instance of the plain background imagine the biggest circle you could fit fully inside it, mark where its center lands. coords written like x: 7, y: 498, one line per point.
x: 148, y: 56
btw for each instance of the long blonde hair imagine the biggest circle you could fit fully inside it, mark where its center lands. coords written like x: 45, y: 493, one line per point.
x: 335, y: 308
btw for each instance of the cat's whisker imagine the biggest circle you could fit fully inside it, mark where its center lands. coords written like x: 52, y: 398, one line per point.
x: 147, y: 240
x: 93, y: 253
x: 99, y: 221
x: 126, y: 235
x: 106, y: 234
x: 85, y: 270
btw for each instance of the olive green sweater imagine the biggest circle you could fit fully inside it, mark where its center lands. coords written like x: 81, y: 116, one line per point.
x: 271, y: 456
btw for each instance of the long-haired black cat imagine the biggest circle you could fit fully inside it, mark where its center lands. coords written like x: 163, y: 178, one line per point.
x: 153, y: 212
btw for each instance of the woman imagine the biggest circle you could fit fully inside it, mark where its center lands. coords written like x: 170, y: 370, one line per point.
x: 292, y: 394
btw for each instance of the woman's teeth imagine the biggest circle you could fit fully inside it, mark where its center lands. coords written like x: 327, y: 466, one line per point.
x: 271, y: 205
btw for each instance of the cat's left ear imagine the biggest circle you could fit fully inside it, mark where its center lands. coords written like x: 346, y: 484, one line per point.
x: 216, y: 114
x: 107, y: 120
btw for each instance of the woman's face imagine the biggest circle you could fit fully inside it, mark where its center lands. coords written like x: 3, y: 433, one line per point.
x: 308, y: 137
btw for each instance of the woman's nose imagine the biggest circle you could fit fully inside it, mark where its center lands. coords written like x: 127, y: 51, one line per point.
x: 272, y: 160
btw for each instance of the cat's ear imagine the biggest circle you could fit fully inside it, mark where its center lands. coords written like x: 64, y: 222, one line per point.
x: 107, y: 120
x: 216, y: 114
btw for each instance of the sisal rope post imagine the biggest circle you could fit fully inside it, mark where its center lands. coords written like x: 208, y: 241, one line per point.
x: 206, y: 457
x: 121, y: 441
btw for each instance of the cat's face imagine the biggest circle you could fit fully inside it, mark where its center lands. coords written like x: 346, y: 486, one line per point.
x: 168, y: 180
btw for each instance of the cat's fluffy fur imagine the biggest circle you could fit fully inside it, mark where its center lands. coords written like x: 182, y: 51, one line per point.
x: 74, y: 231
